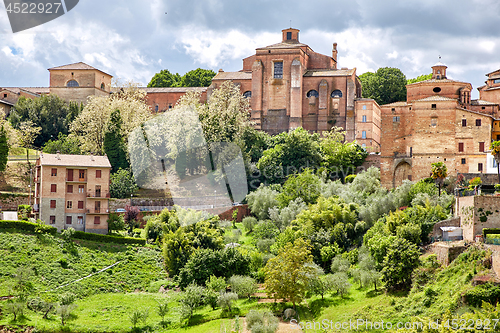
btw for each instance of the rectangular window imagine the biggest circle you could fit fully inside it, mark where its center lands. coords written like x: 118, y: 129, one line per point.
x: 363, y: 119
x: 4, y: 95
x: 52, y: 204
x: 363, y: 135
x: 481, y: 147
x: 97, y: 206
x: 156, y: 108
x: 464, y: 122
x: 278, y: 69
x: 496, y: 81
x: 80, y: 189
x: 98, y: 174
x: 80, y: 204
x: 478, y: 122
x: 433, y: 106
x: 52, y: 219
x: 69, y: 205
x: 69, y: 220
x: 69, y: 189
x: 463, y: 161
x: 80, y: 220
x: 98, y: 191
x: 498, y: 137
x: 289, y: 35
x: 460, y: 147
x: 70, y: 175
x: 81, y: 174
x: 395, y: 119
x: 409, y: 177
x: 53, y: 172
x: 53, y: 188
x: 97, y: 220
x: 393, y: 109
x: 434, y: 122
x: 480, y: 167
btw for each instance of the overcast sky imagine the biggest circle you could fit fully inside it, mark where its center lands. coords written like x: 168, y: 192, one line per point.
x: 133, y: 39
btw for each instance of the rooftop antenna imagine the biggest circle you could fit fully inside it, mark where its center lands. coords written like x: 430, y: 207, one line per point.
x: 439, y: 57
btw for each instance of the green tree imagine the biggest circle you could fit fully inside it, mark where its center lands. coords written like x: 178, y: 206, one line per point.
x: 63, y: 144
x: 28, y: 132
x: 305, y: 185
x: 190, y: 299
x: 115, y: 222
x: 439, y: 173
x: 401, y: 258
x: 495, y: 151
x: 113, y: 143
x: 197, y: 78
x: 49, y: 112
x: 287, y: 274
x: 339, y: 157
x: 291, y: 153
x: 122, y: 184
x: 261, y: 200
x: 165, y: 79
x: 386, y: 85
x: 420, y: 78
x: 244, y: 286
x: 261, y: 322
x: 4, y: 150
x: 226, y: 300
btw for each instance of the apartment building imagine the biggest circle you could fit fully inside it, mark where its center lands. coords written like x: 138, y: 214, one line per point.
x: 73, y: 191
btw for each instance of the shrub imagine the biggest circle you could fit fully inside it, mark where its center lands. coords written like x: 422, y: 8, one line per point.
x: 349, y: 178
x: 108, y: 238
x: 154, y: 230
x: 226, y: 300
x: 261, y: 200
x: 244, y: 286
x: 249, y: 223
x: 115, y: 222
x: 38, y: 227
x: 265, y: 230
x: 264, y: 245
x: 261, y: 322
x: 24, y: 211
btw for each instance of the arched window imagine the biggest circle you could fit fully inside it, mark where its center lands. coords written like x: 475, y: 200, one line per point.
x: 72, y: 84
x: 312, y: 93
x: 336, y: 94
x: 247, y: 94
x: 103, y: 86
x: 364, y: 107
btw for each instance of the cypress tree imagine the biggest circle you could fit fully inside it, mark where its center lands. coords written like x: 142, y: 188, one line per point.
x: 4, y: 150
x: 114, y: 146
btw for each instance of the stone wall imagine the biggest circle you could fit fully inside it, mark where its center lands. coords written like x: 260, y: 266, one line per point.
x: 477, y: 213
x: 453, y: 222
x: 446, y: 253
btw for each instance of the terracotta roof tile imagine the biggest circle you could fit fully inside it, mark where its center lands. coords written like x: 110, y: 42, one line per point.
x: 435, y: 98
x: 76, y: 66
x: 330, y: 72
x: 233, y: 76
x: 75, y: 160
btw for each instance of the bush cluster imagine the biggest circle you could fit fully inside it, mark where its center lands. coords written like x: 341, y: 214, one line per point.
x: 108, y: 238
x: 28, y: 226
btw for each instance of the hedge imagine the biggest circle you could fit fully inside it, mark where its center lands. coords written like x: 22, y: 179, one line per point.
x: 28, y: 226
x: 486, y: 292
x: 487, y: 231
x: 107, y: 239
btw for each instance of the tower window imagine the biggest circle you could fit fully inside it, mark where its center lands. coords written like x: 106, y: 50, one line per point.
x: 4, y: 95
x: 480, y: 167
x: 433, y: 106
x: 436, y: 90
x: 434, y: 122
x: 336, y: 94
x: 363, y: 119
x: 278, y: 69
x: 289, y: 35
x: 464, y: 122
x: 463, y: 160
x: 461, y: 147
x: 478, y: 122
x: 364, y: 107
x: 395, y: 119
x: 247, y: 94
x: 102, y: 86
x: 481, y: 147
x: 156, y: 108
x: 312, y: 93
x: 496, y: 81
x: 72, y: 84
x: 363, y: 135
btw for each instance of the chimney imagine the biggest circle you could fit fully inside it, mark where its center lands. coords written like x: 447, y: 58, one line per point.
x: 220, y: 70
x: 334, y: 54
x: 57, y: 155
x: 91, y: 156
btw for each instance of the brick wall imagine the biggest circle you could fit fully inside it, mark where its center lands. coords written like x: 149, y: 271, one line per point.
x: 477, y: 213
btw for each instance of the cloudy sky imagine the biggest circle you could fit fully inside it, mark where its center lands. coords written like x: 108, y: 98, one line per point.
x: 133, y: 39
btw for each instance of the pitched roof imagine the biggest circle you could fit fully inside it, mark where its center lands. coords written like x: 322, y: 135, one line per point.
x: 435, y: 98
x: 233, y: 76
x: 291, y: 44
x: 31, y: 90
x: 498, y: 70
x: 437, y: 81
x: 76, y: 66
x: 74, y: 160
x: 6, y: 102
x: 396, y: 104
x: 481, y: 102
x: 330, y: 72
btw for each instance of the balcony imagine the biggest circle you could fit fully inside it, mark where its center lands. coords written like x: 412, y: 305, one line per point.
x: 98, y: 194
x: 76, y: 180
x: 97, y: 211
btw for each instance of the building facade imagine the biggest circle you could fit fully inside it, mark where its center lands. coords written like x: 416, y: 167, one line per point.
x: 290, y: 86
x: 73, y: 191
x: 437, y: 123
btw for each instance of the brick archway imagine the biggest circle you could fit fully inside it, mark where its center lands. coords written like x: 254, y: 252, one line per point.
x: 401, y: 172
